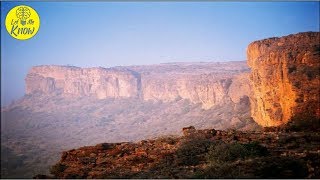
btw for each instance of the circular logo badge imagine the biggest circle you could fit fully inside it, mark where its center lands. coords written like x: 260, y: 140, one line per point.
x: 22, y: 22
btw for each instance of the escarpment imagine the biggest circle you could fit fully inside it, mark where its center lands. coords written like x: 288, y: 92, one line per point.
x: 283, y: 83
x: 207, y: 90
x: 285, y: 78
x: 209, y: 84
x: 141, y: 102
x: 74, y: 81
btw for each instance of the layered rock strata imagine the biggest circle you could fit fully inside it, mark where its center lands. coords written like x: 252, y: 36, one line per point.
x: 203, y: 85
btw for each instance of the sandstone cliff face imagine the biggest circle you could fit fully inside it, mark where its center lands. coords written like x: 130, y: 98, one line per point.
x: 209, y: 84
x: 203, y: 89
x: 285, y: 77
x: 240, y: 88
x: 206, y: 89
x: 74, y: 81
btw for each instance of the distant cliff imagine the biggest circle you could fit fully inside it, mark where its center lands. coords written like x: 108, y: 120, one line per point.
x: 207, y: 89
x: 207, y: 83
x: 285, y: 77
x: 74, y: 81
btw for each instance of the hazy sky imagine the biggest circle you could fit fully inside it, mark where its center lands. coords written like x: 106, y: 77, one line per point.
x: 129, y: 33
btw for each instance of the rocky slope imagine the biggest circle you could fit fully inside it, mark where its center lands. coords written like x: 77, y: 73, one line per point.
x: 285, y: 78
x: 209, y: 84
x: 198, y: 154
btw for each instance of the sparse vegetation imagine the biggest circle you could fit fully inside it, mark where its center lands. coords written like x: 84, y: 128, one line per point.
x: 199, y: 154
x: 226, y: 160
x: 261, y: 167
x: 249, y: 160
x: 57, y: 169
x: 223, y: 152
x: 254, y: 149
x: 192, y: 150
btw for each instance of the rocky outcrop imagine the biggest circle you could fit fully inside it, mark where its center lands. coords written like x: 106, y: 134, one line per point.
x: 74, y: 81
x: 285, y: 77
x: 272, y: 155
x: 209, y: 84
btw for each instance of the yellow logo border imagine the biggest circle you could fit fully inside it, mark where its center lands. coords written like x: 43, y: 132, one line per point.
x: 11, y: 12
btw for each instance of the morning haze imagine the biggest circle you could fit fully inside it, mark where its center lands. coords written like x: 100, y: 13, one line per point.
x: 162, y: 90
x: 114, y: 34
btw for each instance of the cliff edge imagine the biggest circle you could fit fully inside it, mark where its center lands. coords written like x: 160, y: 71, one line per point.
x: 285, y: 78
x: 75, y: 81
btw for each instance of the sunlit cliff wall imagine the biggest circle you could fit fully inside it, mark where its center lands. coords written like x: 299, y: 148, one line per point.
x: 285, y: 77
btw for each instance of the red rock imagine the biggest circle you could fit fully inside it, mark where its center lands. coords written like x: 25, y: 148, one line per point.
x: 285, y: 79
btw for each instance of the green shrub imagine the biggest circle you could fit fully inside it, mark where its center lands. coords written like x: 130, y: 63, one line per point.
x: 192, y: 151
x: 255, y: 149
x: 222, y: 170
x: 163, y: 169
x: 57, y: 169
x: 223, y: 152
